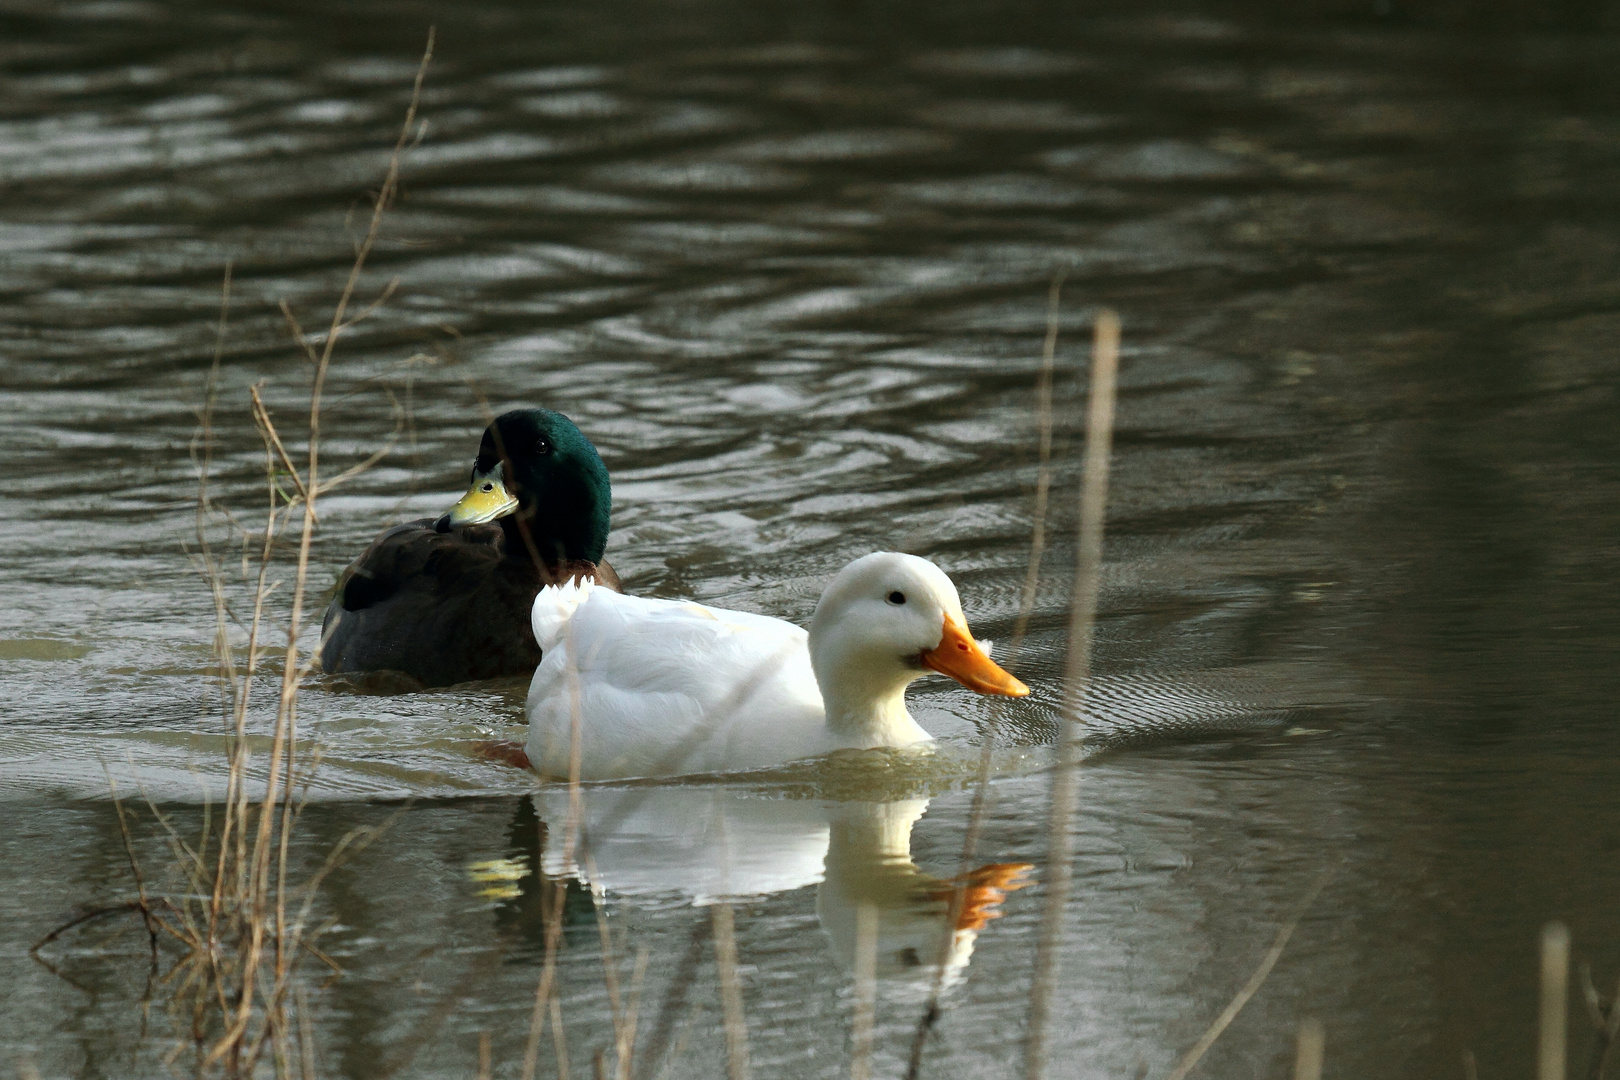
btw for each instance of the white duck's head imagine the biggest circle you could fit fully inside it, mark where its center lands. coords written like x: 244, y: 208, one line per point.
x: 883, y: 622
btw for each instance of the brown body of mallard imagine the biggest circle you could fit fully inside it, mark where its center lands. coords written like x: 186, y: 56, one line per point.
x: 444, y: 607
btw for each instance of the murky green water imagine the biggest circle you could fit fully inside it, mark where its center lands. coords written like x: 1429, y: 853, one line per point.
x: 787, y: 266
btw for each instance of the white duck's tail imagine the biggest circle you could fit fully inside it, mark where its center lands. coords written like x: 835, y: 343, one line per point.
x: 554, y: 607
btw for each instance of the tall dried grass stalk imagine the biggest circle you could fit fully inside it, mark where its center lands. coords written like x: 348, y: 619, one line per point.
x: 1552, y: 1055
x: 731, y: 1006
x: 545, y: 1003
x: 1083, y: 615
x: 1026, y: 607
x: 866, y: 934
x: 626, y: 1047
x: 1308, y: 1048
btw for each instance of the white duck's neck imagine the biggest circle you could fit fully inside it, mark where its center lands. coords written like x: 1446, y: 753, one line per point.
x: 865, y: 699
x: 866, y: 833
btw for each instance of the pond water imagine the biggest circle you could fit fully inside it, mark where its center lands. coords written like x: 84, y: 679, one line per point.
x: 787, y: 266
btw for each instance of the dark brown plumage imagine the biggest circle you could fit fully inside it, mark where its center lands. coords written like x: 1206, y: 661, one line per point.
x: 443, y: 607
x: 444, y: 603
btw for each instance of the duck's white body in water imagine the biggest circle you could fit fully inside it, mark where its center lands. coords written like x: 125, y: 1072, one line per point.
x: 666, y: 687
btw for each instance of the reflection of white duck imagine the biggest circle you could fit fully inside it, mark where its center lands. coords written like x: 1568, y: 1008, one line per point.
x: 663, y: 687
x: 711, y: 843
x: 869, y: 866
x: 707, y: 843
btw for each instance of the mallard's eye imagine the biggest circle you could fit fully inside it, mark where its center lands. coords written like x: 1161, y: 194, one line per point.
x: 897, y: 598
x: 542, y: 447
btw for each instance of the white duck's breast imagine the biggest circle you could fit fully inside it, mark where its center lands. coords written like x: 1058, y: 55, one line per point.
x: 665, y: 687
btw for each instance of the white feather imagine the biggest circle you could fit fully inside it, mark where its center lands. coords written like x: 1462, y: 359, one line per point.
x: 554, y: 607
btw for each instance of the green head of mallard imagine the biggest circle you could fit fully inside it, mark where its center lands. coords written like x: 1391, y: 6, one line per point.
x: 537, y: 470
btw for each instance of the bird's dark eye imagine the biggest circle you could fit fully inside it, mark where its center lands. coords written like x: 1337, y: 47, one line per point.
x: 542, y: 447
x: 897, y: 598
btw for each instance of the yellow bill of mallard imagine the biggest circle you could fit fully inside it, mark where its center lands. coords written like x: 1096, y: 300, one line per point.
x: 486, y: 500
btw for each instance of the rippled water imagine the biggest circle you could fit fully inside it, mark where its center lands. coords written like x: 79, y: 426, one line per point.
x: 787, y: 267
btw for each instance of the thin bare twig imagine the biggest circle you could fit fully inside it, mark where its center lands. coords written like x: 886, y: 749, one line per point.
x: 261, y: 417
x: 122, y: 906
x: 298, y: 334
x: 1093, y: 507
x: 376, y: 305
x: 626, y: 1043
x: 239, y: 919
x: 1191, y: 1058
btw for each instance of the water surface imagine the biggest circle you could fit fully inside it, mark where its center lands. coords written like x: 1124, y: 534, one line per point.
x: 787, y: 267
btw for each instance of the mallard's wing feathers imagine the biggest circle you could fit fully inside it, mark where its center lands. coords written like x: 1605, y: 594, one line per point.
x: 442, y: 607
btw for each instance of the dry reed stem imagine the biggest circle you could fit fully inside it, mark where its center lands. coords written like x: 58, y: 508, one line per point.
x: 610, y: 963
x: 1026, y: 607
x: 553, y: 934
x: 866, y: 933
x: 626, y: 1045
x: 261, y: 416
x: 1308, y: 1049
x: 1190, y: 1059
x: 1060, y: 842
x: 306, y: 1037
x: 283, y: 750
x: 1552, y: 1055
x: 542, y: 992
x: 225, y: 920
x: 559, y: 1039
x: 731, y: 1005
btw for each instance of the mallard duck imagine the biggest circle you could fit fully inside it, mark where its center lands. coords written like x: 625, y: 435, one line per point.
x: 665, y: 687
x: 449, y: 600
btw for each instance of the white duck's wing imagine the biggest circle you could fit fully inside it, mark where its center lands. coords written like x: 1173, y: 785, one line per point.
x: 663, y: 687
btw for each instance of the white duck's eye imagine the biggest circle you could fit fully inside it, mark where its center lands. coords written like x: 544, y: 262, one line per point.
x: 897, y: 598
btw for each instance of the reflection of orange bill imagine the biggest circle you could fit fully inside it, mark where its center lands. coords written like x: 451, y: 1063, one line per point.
x: 983, y: 890
x: 960, y: 657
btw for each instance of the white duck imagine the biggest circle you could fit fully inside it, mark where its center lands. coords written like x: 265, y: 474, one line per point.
x: 643, y: 688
